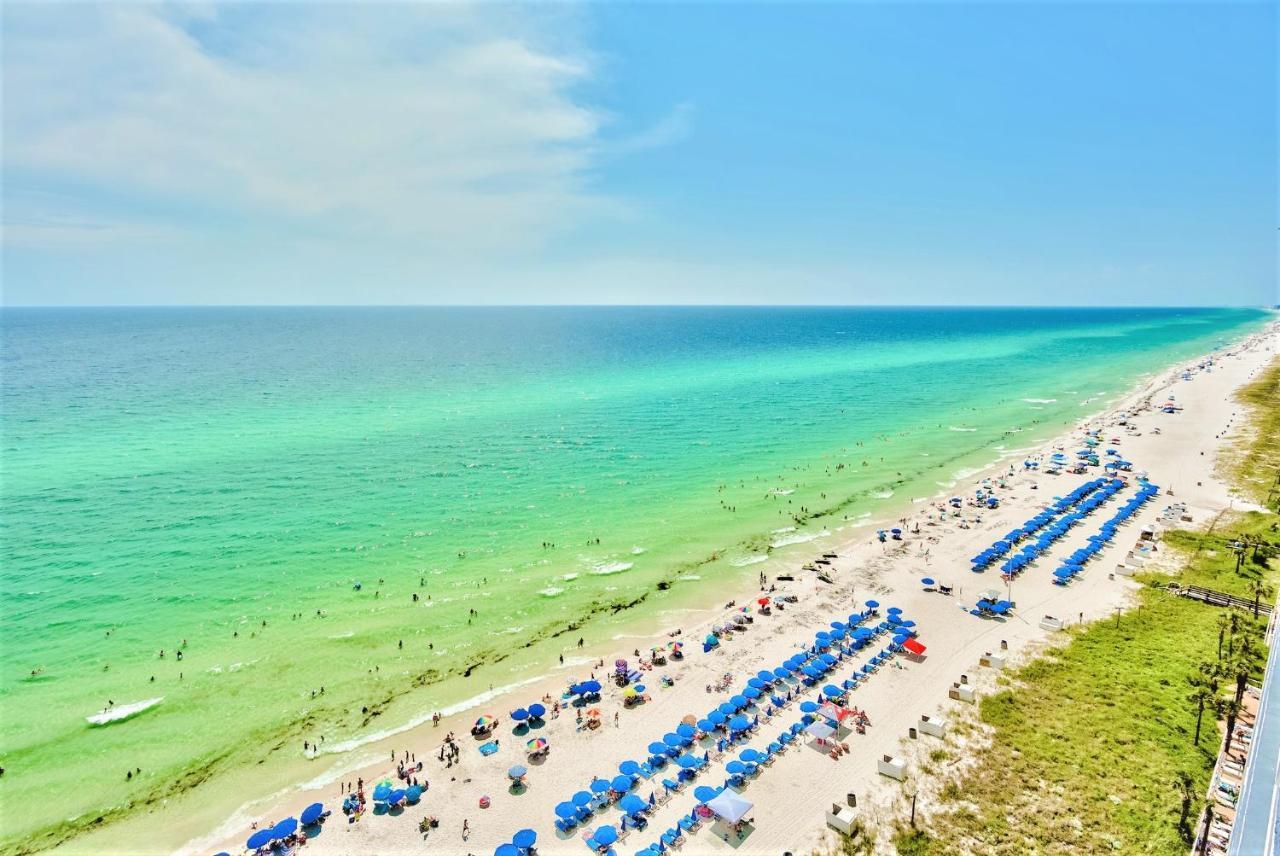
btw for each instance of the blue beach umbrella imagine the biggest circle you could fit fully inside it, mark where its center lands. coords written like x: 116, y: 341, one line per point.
x: 703, y: 793
x: 727, y: 709
x: 781, y: 673
x: 686, y: 730
x: 581, y: 798
x: 606, y: 835
x: 688, y: 762
x: 381, y: 792
x: 519, y: 714
x: 757, y: 683
x: 632, y: 804
x: 751, y: 756
x: 672, y: 739
x: 599, y: 786
x: 284, y: 828
x: 537, y: 711
x: 739, y: 723
x: 831, y: 691
x: 311, y: 813
x: 566, y: 810
x: 261, y: 838
x: 735, y: 768
x: 738, y: 701
x: 872, y: 604
x: 928, y: 581
x: 719, y: 717
x: 894, y: 610
x: 621, y: 783
x: 397, y: 796
x: 629, y: 768
x: 808, y: 707
x: 413, y: 794
x: 524, y: 839
x: 506, y: 850
x: 518, y: 771
x: 751, y: 693
x: 706, y: 725
x: 656, y: 748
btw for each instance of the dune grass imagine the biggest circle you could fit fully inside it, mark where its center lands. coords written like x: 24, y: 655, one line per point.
x: 1094, y: 744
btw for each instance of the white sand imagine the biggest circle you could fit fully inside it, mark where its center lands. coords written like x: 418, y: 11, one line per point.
x: 792, y: 794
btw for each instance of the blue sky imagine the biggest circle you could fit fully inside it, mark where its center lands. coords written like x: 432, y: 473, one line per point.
x: 1007, y: 153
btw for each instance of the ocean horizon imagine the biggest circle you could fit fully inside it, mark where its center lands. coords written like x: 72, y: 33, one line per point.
x: 333, y: 521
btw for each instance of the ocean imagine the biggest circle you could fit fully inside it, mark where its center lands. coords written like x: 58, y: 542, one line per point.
x: 405, y: 506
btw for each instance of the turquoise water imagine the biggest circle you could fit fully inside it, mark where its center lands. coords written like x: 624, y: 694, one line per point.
x: 174, y: 474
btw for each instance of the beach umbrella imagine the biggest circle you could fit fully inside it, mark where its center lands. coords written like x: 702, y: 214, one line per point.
x: 656, y: 748
x: 751, y: 756
x: 629, y: 768
x: 537, y: 744
x: 808, y: 706
x: 284, y: 828
x: 672, y: 739
x: 606, y: 835
x: 686, y: 730
x: 311, y: 813
x: 765, y: 675
x: 506, y: 850
x: 537, y: 711
x: 518, y: 771
x: 751, y: 693
x: 756, y: 683
x: 397, y: 797
x: 872, y: 604
x: 599, y: 786
x: 739, y: 723
x: 524, y: 839
x: 581, y: 798
x: 485, y: 721
x: 706, y: 725
x: 688, y: 762
x: 928, y: 581
x: 894, y: 610
x: 702, y: 793
x: 719, y: 717
x: 781, y: 673
x: 632, y: 804
x: 261, y: 838
x: 413, y: 793
x: 566, y: 810
x: 831, y: 691
x: 621, y: 783
x: 738, y: 701
x: 727, y: 709
x: 591, y: 686
x: 735, y: 768
x: 519, y: 714
x: 381, y: 792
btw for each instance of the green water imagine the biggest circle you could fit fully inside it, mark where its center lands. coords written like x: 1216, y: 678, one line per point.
x: 174, y: 475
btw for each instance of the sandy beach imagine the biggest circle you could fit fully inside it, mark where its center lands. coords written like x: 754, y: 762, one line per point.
x: 791, y: 794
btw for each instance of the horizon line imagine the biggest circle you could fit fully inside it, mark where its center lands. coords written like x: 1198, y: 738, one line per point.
x: 1264, y: 307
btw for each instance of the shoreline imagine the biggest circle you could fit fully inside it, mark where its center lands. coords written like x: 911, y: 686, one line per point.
x: 849, y: 540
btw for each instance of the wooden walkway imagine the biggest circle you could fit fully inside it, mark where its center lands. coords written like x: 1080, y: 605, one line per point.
x: 1220, y: 598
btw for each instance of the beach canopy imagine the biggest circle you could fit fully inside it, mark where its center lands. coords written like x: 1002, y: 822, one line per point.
x: 730, y: 806
x: 413, y: 793
x: 381, y: 792
x: 914, y: 647
x: 820, y: 730
x: 312, y: 813
x: 261, y: 838
x: 524, y: 839
x: 606, y: 835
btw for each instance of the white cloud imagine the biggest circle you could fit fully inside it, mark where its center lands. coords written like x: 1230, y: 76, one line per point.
x: 456, y: 128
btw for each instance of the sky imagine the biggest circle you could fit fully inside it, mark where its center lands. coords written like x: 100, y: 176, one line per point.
x: 1011, y: 153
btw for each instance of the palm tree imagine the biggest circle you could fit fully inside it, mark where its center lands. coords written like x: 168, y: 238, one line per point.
x: 1229, y: 708
x: 1186, y: 789
x: 1202, y: 697
x: 1260, y: 590
x: 1224, y: 622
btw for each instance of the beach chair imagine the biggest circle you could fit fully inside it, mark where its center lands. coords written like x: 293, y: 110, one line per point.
x: 565, y: 825
x: 688, y: 824
x: 671, y: 837
x: 646, y: 771
x: 670, y: 786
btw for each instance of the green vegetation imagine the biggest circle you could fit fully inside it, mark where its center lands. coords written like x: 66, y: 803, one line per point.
x: 1106, y: 744
x: 1255, y: 469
